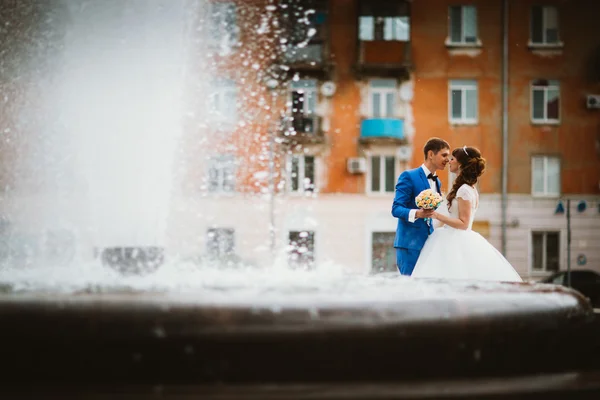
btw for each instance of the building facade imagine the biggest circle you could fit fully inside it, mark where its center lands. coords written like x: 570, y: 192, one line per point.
x: 301, y: 115
x: 366, y: 83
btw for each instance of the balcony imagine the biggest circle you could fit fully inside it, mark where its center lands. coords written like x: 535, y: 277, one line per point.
x: 383, y: 58
x: 382, y: 131
x: 302, y: 129
x: 311, y: 54
x: 307, y: 52
x: 308, y: 60
x: 384, y: 32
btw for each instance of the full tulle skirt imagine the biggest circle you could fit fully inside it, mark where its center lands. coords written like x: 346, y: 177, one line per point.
x: 462, y: 254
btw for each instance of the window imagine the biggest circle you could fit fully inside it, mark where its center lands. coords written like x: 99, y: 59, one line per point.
x: 221, y: 174
x: 463, y: 102
x: 382, y: 174
x: 223, y: 24
x: 383, y: 256
x: 303, y: 21
x: 382, y: 98
x: 545, y: 176
x: 309, y: 26
x: 544, y: 25
x: 303, y: 106
x: 306, y: 33
x: 301, y: 249
x: 545, y: 255
x: 379, y: 20
x: 463, y: 25
x: 223, y: 102
x: 302, y: 174
x: 545, y: 101
x: 384, y: 28
x: 220, y: 242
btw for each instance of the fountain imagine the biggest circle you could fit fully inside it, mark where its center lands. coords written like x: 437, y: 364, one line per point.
x: 101, y: 124
x: 90, y: 293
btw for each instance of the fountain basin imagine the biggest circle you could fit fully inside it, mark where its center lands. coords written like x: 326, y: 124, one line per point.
x: 519, y: 338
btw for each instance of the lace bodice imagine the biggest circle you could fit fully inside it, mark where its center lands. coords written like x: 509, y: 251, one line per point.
x: 465, y: 192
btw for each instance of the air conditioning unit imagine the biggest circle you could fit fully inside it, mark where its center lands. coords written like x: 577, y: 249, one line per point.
x: 593, y: 101
x: 357, y: 165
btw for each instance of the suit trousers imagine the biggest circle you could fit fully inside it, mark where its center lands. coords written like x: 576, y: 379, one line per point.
x: 406, y: 259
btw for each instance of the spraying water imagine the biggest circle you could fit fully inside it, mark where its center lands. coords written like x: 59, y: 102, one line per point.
x: 107, y: 92
x: 119, y: 99
x: 97, y: 99
x: 103, y: 122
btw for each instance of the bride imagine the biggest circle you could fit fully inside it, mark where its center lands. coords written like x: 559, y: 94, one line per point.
x: 454, y: 250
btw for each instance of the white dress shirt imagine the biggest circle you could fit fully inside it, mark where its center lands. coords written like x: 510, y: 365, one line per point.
x: 432, y: 185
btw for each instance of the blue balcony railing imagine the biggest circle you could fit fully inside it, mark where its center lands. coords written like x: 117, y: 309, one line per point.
x: 387, y: 128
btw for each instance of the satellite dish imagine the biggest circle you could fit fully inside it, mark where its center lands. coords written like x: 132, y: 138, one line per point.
x: 404, y: 153
x: 406, y: 92
x: 328, y: 89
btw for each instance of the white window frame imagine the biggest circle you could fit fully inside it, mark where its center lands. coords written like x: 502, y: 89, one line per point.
x: 302, y: 189
x: 464, y: 85
x: 544, y: 270
x: 383, y: 96
x: 463, y: 41
x: 220, y: 108
x: 395, y: 28
x: 382, y: 174
x: 310, y: 90
x: 221, y: 245
x: 546, y: 11
x: 220, y: 33
x: 223, y: 164
x: 314, y: 246
x: 545, y: 192
x: 552, y: 85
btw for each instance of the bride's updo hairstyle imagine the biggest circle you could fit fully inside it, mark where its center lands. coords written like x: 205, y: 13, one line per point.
x: 472, y: 166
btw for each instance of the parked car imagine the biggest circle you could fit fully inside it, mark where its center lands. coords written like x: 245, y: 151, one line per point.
x: 585, y: 281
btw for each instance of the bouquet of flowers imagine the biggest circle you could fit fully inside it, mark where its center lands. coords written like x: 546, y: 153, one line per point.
x: 428, y: 200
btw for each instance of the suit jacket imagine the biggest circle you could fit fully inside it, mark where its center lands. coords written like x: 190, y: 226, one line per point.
x: 410, y: 235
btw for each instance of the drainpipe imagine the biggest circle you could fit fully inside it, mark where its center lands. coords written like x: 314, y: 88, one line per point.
x: 504, y: 201
x: 272, y: 86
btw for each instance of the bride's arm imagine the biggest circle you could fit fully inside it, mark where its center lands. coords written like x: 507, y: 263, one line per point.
x: 464, y: 215
x: 444, y: 211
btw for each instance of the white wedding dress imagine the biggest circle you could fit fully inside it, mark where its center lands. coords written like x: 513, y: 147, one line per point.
x: 451, y: 253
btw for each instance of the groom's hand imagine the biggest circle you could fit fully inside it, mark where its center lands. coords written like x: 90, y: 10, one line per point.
x: 424, y: 213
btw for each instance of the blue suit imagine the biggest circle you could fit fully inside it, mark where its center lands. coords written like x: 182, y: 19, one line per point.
x: 410, y: 236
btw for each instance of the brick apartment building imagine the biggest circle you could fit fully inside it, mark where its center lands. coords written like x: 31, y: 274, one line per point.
x: 368, y: 84
x: 325, y: 103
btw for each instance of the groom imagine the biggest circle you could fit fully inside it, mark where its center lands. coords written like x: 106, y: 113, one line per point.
x: 413, y: 230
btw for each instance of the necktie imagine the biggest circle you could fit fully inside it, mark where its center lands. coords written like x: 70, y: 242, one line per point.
x: 432, y: 177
